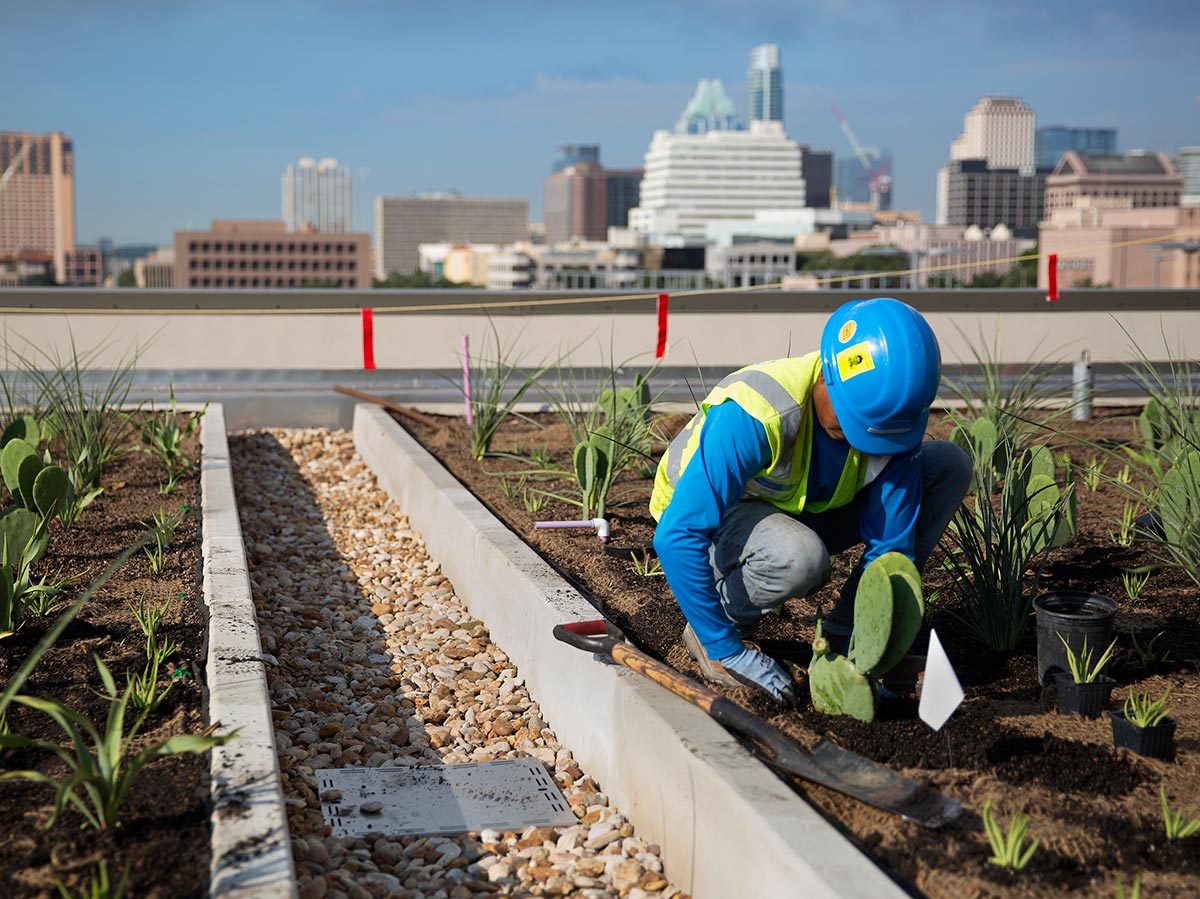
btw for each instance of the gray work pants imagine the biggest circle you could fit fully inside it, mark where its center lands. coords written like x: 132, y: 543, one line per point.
x: 761, y: 555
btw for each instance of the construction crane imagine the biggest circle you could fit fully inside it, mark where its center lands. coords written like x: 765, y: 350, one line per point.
x: 17, y: 160
x: 881, y: 181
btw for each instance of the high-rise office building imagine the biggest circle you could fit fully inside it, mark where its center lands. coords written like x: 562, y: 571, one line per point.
x: 403, y: 223
x: 318, y: 196
x: 710, y: 109
x: 1187, y: 163
x: 1052, y: 142
x: 998, y: 131
x: 764, y: 85
x: 692, y: 180
x: 37, y: 199
x: 986, y: 196
x: 584, y: 199
x: 816, y: 168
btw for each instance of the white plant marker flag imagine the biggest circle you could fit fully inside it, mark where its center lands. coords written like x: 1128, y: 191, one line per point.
x: 941, y: 693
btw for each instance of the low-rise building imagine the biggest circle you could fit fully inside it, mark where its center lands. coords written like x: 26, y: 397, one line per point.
x: 258, y: 254
x: 1145, y: 180
x: 156, y: 271
x: 1125, y: 249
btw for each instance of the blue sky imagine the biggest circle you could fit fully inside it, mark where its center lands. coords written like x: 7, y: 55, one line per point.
x: 184, y: 110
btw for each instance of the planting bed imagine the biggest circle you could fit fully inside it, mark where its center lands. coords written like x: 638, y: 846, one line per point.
x: 1096, y: 810
x: 164, y: 831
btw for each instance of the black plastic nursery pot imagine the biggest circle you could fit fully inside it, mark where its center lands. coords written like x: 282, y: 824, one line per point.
x: 1088, y: 700
x: 1157, y: 742
x: 1077, y: 615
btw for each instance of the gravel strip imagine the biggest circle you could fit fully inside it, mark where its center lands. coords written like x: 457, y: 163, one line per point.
x: 372, y: 660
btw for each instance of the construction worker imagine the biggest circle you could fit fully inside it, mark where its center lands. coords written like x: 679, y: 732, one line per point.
x: 790, y: 461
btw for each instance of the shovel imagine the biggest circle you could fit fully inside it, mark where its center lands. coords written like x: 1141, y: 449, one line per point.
x: 827, y: 764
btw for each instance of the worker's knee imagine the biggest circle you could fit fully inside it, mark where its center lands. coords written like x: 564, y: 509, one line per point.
x: 782, y: 558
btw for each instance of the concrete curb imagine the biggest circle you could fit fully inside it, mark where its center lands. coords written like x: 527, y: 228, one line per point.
x: 727, y: 826
x: 251, y: 850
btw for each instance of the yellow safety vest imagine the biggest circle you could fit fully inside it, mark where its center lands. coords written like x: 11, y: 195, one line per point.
x: 777, y: 394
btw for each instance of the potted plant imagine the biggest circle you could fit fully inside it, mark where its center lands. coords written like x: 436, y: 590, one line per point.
x: 1084, y: 691
x: 1065, y: 618
x: 1145, y: 726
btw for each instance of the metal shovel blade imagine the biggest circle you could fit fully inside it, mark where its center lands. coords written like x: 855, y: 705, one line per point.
x: 870, y: 782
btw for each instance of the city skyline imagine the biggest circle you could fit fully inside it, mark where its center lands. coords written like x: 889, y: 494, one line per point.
x: 189, y: 113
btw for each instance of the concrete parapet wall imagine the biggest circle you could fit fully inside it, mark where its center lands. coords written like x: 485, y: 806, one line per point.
x: 269, y: 330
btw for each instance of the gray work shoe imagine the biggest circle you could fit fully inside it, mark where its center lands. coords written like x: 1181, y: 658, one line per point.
x: 713, y: 671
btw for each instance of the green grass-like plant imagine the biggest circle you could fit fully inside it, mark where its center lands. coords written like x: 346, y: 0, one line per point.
x: 163, y: 438
x: 1126, y: 526
x: 1144, y: 712
x: 1008, y: 846
x: 98, y: 885
x: 645, y: 566
x: 1135, y: 582
x: 1083, y: 669
x: 534, y: 501
x: 143, y: 687
x: 85, y: 404
x: 997, y: 544
x: 102, y: 764
x: 1135, y: 888
x: 149, y: 617
x: 1147, y: 655
x: 162, y: 530
x: 1178, y: 825
x: 1091, y: 474
x: 491, y: 380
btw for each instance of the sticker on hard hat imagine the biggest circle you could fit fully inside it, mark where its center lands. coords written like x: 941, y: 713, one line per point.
x: 854, y: 360
x: 847, y: 330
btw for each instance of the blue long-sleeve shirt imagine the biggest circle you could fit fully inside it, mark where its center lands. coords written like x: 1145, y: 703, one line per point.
x: 732, y: 449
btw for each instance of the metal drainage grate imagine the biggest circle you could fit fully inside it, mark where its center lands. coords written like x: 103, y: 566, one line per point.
x: 509, y: 794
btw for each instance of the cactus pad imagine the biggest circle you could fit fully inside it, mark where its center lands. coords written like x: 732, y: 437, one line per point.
x: 51, y: 489
x: 908, y: 609
x: 838, y: 689
x: 15, y: 452
x: 872, y: 618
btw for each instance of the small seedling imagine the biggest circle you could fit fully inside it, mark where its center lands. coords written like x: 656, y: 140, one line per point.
x: 1083, y: 671
x: 143, y: 688
x: 1127, y: 525
x: 646, y: 566
x: 1123, y: 476
x: 162, y: 528
x: 98, y: 885
x: 1145, y: 712
x: 1135, y: 888
x: 512, y: 489
x: 1135, y: 582
x: 1147, y: 654
x: 541, y: 456
x: 533, y: 502
x: 149, y: 617
x: 1008, y: 847
x: 1091, y: 474
x: 1178, y: 825
x: 101, y: 773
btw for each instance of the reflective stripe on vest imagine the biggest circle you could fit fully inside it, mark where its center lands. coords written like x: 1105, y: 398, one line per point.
x: 778, y: 395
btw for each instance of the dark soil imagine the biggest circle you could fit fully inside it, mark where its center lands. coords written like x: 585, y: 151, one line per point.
x: 1096, y: 810
x: 163, y: 836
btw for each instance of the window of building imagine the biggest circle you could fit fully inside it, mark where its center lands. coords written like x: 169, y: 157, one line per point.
x: 303, y: 265
x: 243, y: 282
x: 278, y: 264
x: 204, y: 246
x: 254, y: 282
x: 328, y: 248
x: 254, y: 264
x: 353, y: 265
x: 192, y: 246
x: 291, y: 248
x: 216, y: 282
x: 340, y: 265
x: 217, y: 264
x: 242, y: 246
x: 207, y: 265
x: 328, y: 265
x: 339, y: 248
x: 208, y: 282
x: 254, y: 247
x: 242, y: 263
x: 267, y: 248
x: 291, y: 264
x: 192, y: 263
x: 194, y: 282
x: 341, y: 283
x: 291, y: 282
x: 278, y: 248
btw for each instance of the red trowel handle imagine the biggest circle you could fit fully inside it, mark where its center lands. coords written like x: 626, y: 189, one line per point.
x: 597, y: 636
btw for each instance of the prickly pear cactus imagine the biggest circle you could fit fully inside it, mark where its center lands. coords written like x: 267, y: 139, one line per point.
x: 1048, y: 508
x: 888, y: 611
x: 14, y: 464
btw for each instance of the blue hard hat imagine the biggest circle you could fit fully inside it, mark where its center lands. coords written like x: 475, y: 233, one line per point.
x: 882, y: 367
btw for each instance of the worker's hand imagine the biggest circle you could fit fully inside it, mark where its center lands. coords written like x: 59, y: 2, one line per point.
x: 757, y: 669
